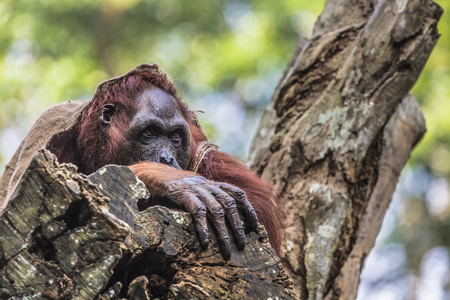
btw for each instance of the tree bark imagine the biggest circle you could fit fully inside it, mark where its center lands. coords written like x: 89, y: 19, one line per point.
x: 66, y: 236
x: 338, y: 131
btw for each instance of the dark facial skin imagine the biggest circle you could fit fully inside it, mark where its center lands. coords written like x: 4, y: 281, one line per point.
x: 157, y: 132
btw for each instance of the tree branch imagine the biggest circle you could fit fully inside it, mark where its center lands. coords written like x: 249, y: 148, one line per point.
x: 322, y: 137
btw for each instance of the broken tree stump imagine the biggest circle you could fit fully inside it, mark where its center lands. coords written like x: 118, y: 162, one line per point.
x: 68, y: 236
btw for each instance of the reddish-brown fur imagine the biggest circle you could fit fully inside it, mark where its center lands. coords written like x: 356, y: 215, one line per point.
x: 160, y: 173
x: 94, y: 151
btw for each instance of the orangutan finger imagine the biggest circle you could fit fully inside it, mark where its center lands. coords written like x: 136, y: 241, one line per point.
x: 216, y: 215
x: 231, y: 212
x: 243, y: 203
x: 198, y: 212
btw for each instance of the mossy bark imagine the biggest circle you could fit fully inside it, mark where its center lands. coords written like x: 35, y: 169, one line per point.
x: 68, y: 236
x: 338, y: 132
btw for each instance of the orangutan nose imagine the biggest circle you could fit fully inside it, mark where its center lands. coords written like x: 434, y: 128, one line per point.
x: 165, y: 157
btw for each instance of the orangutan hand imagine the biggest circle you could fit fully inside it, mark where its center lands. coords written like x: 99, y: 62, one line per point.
x: 216, y: 201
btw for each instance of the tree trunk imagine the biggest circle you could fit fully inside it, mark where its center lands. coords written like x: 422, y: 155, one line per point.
x: 61, y: 238
x: 338, y: 131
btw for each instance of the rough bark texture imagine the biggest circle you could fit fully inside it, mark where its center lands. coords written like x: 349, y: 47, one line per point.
x: 63, y: 237
x: 338, y: 131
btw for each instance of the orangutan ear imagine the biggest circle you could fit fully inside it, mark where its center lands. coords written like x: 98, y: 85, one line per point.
x: 106, y: 113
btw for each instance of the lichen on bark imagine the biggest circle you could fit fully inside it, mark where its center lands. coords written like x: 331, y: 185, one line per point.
x: 322, y: 139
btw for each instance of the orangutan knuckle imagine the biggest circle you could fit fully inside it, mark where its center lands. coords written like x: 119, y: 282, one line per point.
x: 229, y: 203
x: 217, y: 211
x: 199, y: 211
x: 240, y: 194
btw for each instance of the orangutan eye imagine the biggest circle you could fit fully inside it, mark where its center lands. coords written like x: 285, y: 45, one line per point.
x: 176, y: 137
x: 148, y: 133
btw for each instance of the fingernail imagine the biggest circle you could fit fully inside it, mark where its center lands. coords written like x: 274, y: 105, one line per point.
x: 205, y: 244
x: 240, y: 242
x: 225, y: 245
x: 254, y: 225
x: 226, y: 254
x: 204, y: 239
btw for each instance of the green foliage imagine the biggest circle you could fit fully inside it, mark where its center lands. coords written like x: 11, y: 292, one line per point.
x: 52, y: 51
x: 432, y: 90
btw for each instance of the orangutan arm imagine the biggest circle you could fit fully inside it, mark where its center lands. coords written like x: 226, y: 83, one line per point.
x: 203, y: 198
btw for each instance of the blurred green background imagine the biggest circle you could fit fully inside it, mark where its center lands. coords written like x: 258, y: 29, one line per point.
x: 226, y: 58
